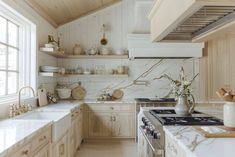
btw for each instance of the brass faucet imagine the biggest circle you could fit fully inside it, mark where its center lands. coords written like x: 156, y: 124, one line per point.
x: 19, y: 93
x: 17, y: 109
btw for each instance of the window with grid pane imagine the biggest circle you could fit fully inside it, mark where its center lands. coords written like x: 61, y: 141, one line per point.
x: 9, y: 57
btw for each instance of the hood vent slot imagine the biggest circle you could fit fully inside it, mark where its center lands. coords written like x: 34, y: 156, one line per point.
x: 203, y: 21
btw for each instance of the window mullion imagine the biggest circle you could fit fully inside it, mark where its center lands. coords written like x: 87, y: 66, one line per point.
x: 7, y: 41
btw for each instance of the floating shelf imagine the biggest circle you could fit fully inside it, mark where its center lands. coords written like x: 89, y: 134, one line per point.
x: 61, y: 54
x: 48, y: 74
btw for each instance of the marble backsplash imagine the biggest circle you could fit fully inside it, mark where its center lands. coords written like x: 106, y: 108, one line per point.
x: 156, y: 88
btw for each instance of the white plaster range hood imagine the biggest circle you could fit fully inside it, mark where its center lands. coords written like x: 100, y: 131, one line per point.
x: 141, y: 47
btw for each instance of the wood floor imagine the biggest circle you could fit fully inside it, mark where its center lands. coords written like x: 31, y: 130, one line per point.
x: 108, y: 149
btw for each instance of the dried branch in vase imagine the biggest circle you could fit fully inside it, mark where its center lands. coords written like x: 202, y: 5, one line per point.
x: 226, y: 95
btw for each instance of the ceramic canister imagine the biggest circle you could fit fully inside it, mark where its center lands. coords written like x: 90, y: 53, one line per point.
x: 229, y: 115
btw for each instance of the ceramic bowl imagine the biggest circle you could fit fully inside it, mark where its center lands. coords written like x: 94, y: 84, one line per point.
x: 64, y: 93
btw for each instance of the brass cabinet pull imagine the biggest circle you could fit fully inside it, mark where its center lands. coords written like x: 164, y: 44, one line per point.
x: 61, y: 149
x: 25, y: 152
x: 43, y: 138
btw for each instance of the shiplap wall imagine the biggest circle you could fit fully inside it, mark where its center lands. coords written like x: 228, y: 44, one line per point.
x: 86, y: 31
x: 121, y: 20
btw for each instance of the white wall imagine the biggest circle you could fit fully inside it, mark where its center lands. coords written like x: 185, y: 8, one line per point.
x: 43, y: 29
x: 121, y: 21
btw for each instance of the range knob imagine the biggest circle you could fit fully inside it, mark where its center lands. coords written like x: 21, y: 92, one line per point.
x: 156, y: 135
x: 145, y: 121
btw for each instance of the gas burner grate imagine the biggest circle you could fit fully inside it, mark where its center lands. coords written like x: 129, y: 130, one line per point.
x: 168, y: 111
x: 190, y: 121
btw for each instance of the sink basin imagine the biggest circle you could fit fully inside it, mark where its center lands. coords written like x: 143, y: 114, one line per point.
x: 61, y: 121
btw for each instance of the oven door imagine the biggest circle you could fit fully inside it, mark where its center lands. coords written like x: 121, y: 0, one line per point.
x: 149, y: 147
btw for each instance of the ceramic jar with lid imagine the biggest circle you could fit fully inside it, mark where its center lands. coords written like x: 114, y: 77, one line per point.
x: 77, y: 50
x: 229, y: 115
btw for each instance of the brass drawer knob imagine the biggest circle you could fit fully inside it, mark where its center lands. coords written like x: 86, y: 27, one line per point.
x: 42, y: 138
x: 25, y: 152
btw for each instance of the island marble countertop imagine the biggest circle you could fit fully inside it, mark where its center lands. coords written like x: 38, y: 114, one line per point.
x: 196, y: 145
x: 13, y: 133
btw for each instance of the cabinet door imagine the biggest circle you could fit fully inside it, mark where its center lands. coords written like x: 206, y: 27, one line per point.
x: 79, y: 130
x: 100, y: 124
x: 44, y: 152
x: 71, y: 143
x: 61, y: 148
x: 123, y: 125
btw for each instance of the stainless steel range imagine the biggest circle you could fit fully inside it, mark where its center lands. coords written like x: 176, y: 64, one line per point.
x: 152, y: 102
x: 151, y: 134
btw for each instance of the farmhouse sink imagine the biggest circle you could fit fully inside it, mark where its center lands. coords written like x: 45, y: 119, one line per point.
x: 61, y: 121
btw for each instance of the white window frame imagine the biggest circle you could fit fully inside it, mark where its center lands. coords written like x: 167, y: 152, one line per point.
x: 27, y: 49
x: 7, y: 55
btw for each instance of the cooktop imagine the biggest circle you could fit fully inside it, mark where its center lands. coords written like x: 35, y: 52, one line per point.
x: 168, y: 111
x: 169, y: 117
x: 155, y: 100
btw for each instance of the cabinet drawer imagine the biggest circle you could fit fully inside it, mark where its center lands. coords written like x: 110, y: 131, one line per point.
x: 23, y: 152
x: 41, y: 140
x: 111, y: 107
x: 173, y: 149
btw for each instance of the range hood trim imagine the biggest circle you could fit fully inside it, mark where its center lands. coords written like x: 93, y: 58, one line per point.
x: 141, y: 47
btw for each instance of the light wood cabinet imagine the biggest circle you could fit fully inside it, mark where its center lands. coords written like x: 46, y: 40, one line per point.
x: 45, y: 152
x: 38, y: 145
x: 100, y: 124
x: 79, y: 129
x: 61, y: 148
x: 110, y: 121
x: 71, y: 140
x: 24, y: 151
x: 75, y: 136
x: 123, y: 124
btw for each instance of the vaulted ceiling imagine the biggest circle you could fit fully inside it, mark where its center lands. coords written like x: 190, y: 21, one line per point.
x: 59, y: 12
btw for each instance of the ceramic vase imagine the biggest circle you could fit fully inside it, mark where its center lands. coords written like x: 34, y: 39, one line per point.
x: 229, y: 115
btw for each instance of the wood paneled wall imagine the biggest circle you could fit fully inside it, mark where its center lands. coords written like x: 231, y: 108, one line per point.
x: 217, y: 67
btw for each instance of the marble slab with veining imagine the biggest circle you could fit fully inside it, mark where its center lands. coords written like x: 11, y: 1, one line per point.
x: 196, y: 145
x: 14, y: 133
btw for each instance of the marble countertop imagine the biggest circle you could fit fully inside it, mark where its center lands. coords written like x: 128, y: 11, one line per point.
x: 196, y: 145
x: 15, y: 132
x: 64, y: 105
x: 102, y: 102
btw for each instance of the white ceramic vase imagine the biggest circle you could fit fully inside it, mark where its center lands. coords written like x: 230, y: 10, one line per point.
x: 229, y: 115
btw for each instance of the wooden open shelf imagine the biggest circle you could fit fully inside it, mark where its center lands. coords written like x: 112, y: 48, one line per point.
x: 48, y: 74
x: 61, y: 54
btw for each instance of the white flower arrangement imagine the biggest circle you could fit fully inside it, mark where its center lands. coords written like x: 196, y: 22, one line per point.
x: 181, y: 87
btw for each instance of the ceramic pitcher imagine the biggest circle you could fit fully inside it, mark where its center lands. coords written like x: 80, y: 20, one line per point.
x: 184, y: 107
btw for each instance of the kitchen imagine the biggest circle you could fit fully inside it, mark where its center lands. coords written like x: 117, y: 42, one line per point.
x: 147, y: 78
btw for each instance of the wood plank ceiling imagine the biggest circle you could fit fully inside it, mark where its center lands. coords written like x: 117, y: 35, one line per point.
x: 59, y: 12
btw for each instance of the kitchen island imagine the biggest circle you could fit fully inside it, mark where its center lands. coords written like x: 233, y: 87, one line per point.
x: 185, y: 141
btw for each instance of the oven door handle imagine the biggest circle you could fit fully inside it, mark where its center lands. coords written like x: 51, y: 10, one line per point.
x: 159, y: 151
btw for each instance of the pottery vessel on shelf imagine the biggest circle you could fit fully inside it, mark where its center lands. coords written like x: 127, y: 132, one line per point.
x: 77, y: 50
